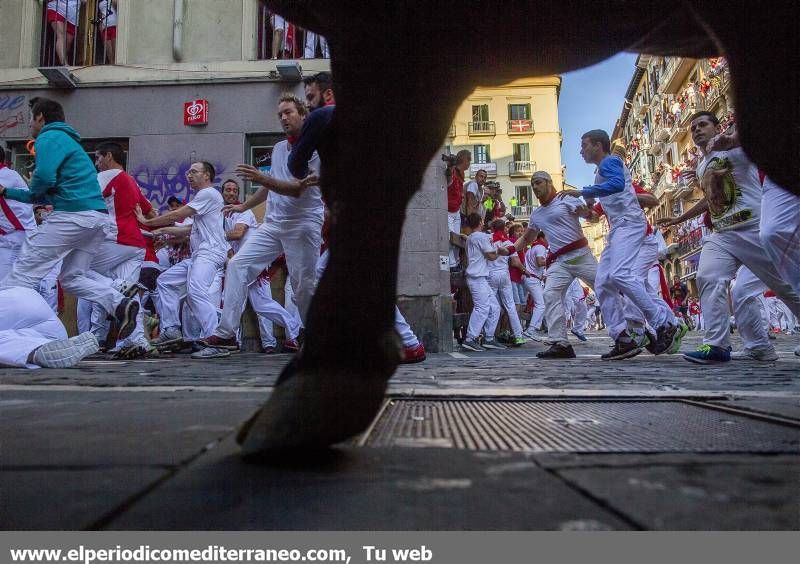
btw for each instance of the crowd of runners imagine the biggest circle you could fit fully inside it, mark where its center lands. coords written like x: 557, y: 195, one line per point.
x: 149, y: 282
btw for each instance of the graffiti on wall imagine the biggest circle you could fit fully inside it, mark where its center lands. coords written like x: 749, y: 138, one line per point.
x: 168, y: 179
x: 13, y: 110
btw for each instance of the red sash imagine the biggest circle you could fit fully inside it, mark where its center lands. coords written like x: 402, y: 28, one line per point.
x: 552, y: 256
x: 11, y: 217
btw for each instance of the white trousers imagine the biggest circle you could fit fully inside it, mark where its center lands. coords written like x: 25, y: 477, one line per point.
x: 114, y: 263
x: 26, y: 323
x: 485, y: 308
x: 618, y: 274
x: 752, y: 317
x: 195, y: 279
x: 300, y: 244
x: 289, y: 301
x: 780, y: 232
x: 579, y: 315
x: 454, y: 226
x: 722, y: 255
x: 500, y: 282
x: 650, y: 277
x: 404, y: 329
x: 535, y: 289
x: 559, y: 276
x: 271, y: 311
x: 72, y: 237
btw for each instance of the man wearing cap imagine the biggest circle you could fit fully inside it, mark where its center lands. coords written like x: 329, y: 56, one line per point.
x: 568, y: 257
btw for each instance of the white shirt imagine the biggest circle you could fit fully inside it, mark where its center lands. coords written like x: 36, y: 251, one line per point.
x: 734, y: 200
x: 620, y: 206
x: 500, y: 264
x: 473, y: 188
x: 478, y: 243
x: 66, y: 8
x: 23, y: 212
x: 530, y: 260
x: 308, y: 208
x: 560, y: 224
x: 208, y: 232
x: 106, y: 13
x: 235, y: 219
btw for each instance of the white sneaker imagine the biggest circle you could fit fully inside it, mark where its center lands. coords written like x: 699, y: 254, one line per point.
x: 65, y: 353
x: 167, y: 338
x: 536, y: 335
x: 765, y: 355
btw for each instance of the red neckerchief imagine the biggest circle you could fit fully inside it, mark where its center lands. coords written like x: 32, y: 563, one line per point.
x: 548, y: 201
x: 293, y: 139
x: 2, y: 166
x: 539, y: 242
x: 499, y: 235
x: 331, y: 103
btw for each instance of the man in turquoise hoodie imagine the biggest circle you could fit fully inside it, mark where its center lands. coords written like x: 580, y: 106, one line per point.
x: 66, y: 179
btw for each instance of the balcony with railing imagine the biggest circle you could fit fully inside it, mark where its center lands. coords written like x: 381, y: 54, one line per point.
x: 452, y: 131
x: 664, y: 184
x: 520, y: 126
x: 691, y: 242
x: 521, y: 168
x: 478, y: 128
x: 674, y: 73
x: 522, y: 212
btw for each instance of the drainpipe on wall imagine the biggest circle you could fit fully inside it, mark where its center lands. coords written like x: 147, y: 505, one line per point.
x: 177, y: 31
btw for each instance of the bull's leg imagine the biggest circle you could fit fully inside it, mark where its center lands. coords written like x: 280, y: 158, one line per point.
x: 335, y: 386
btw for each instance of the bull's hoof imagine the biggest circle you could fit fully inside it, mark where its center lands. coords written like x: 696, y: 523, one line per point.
x: 312, y: 410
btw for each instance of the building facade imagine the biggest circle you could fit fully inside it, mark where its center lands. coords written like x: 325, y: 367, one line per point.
x: 653, y: 129
x: 191, y: 80
x: 512, y: 131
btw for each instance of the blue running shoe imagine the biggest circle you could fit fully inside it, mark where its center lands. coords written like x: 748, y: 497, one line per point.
x: 708, y: 354
x: 578, y: 334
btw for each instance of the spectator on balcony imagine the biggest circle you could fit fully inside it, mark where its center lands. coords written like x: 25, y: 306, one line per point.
x: 62, y: 15
x: 523, y: 200
x: 476, y: 194
x: 107, y: 19
x: 315, y: 43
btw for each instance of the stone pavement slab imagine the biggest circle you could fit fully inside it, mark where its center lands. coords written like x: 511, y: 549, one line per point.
x: 54, y: 498
x: 368, y: 489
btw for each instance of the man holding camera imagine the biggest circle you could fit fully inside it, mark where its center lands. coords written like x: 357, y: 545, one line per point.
x: 456, y: 166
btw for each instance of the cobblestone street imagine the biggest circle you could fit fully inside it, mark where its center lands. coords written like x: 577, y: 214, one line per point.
x: 149, y: 445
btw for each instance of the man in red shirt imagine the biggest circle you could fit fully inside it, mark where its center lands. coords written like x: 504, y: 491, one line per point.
x: 120, y: 256
x: 455, y: 197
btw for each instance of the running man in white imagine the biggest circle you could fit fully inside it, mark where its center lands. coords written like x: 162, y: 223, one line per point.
x: 292, y: 226
x: 239, y: 226
x: 535, y: 260
x: 196, y: 276
x: 568, y: 257
x: 66, y: 178
x: 616, y: 273
x: 732, y: 196
x: 647, y: 256
x: 31, y: 335
x: 485, y: 307
x: 16, y: 218
x: 500, y: 280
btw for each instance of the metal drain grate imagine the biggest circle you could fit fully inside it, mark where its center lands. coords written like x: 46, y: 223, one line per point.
x: 576, y: 426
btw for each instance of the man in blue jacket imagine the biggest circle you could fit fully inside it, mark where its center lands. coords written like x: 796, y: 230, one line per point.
x: 66, y: 179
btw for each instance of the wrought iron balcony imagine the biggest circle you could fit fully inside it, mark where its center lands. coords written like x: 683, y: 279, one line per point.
x: 521, y: 168
x: 476, y: 128
x: 520, y: 126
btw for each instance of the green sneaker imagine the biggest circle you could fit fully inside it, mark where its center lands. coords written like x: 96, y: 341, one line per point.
x: 518, y: 341
x: 676, y: 340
